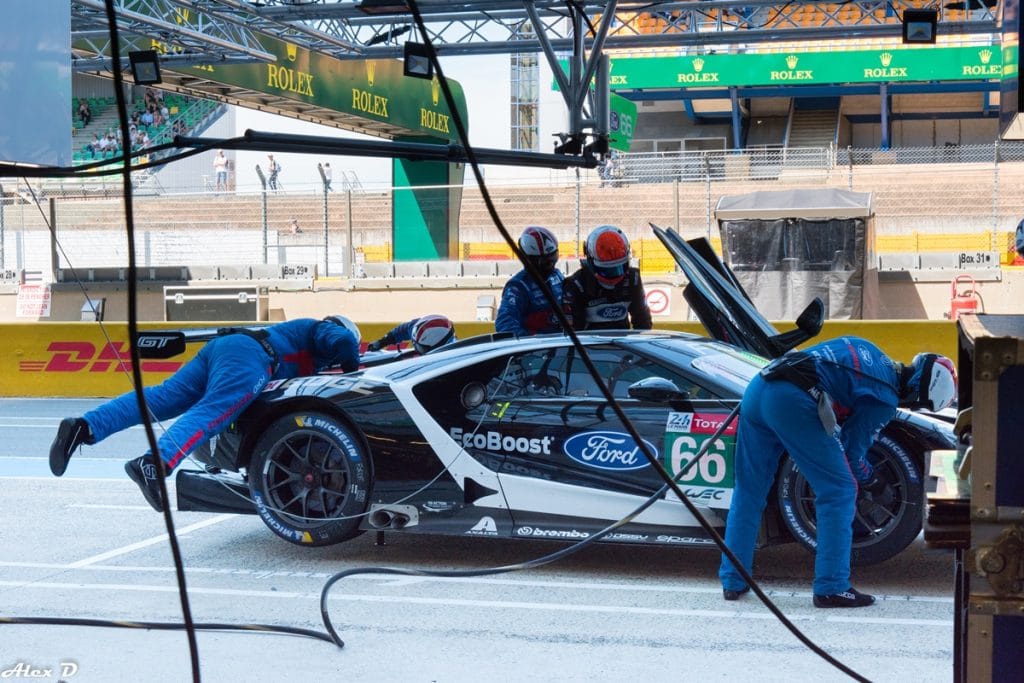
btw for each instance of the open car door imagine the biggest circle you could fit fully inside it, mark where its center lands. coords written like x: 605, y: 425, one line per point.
x: 724, y: 308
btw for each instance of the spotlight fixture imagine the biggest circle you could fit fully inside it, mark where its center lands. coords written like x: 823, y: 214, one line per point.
x: 145, y: 67
x: 919, y: 25
x: 417, y: 61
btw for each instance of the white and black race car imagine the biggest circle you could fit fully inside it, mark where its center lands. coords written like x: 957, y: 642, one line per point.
x: 506, y: 437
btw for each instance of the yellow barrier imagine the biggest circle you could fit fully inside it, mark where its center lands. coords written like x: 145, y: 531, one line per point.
x: 77, y: 360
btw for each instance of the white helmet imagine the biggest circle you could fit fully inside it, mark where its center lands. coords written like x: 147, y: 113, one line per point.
x: 607, y: 252
x: 540, y: 247
x: 430, y: 332
x: 346, y: 323
x: 931, y: 383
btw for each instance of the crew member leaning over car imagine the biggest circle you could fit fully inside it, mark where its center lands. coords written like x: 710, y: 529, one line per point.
x: 606, y: 293
x: 425, y: 334
x: 211, y: 391
x: 795, y: 405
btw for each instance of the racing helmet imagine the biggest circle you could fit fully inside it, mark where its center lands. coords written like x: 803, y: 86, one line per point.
x: 930, y: 382
x: 431, y: 332
x: 346, y: 323
x: 540, y: 247
x: 1019, y: 239
x: 607, y: 254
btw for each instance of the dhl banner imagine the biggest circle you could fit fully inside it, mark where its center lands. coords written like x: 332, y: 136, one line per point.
x: 88, y: 360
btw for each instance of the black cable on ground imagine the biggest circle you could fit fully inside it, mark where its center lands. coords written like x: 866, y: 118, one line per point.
x: 133, y: 334
x: 528, y: 564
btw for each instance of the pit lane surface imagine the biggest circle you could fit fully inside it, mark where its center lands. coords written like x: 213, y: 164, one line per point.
x: 87, y: 546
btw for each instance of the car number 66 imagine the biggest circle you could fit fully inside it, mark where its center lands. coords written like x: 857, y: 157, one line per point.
x: 712, y: 467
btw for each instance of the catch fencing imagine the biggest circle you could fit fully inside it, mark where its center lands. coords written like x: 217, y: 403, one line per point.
x: 925, y: 199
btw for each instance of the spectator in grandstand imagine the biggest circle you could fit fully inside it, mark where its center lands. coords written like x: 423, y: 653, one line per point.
x: 211, y: 390
x: 425, y: 334
x: 147, y: 117
x: 273, y: 168
x: 606, y: 293
x: 94, y: 146
x: 220, y: 168
x: 84, y: 112
x: 295, y: 226
x: 524, y: 310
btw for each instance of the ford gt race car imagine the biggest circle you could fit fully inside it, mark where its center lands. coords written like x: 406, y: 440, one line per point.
x: 503, y: 437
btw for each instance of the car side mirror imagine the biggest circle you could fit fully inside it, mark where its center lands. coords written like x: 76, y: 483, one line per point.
x: 808, y: 325
x: 657, y: 390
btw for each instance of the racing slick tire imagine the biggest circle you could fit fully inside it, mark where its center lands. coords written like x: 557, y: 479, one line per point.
x: 894, y: 525
x: 309, y: 478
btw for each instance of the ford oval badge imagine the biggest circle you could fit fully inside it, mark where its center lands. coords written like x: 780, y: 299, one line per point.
x: 607, y: 451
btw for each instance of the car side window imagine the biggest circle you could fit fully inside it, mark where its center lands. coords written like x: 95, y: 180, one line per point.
x: 620, y: 368
x: 535, y: 374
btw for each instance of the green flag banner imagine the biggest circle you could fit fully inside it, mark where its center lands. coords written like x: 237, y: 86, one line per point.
x: 376, y: 90
x: 805, y: 68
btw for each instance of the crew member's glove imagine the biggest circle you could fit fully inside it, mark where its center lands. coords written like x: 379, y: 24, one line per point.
x: 376, y: 345
x: 874, y: 498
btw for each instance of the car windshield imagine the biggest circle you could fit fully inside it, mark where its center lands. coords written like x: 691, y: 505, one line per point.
x: 728, y: 367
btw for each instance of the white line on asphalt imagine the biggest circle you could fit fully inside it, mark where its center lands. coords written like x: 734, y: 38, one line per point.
x: 148, y: 542
x: 582, y: 586
x: 448, y: 602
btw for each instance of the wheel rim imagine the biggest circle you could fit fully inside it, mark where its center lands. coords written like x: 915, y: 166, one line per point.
x: 865, y: 532
x: 306, y: 477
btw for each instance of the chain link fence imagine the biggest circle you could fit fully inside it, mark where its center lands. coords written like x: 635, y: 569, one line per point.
x: 922, y: 196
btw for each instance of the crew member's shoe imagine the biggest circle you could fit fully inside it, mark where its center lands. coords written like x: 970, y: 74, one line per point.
x: 142, y: 471
x: 734, y: 595
x: 72, y: 433
x: 851, y: 597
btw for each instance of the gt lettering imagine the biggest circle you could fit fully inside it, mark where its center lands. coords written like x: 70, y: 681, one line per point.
x: 712, y: 467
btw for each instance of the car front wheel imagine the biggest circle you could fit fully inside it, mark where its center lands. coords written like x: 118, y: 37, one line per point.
x: 309, y: 478
x: 880, y: 529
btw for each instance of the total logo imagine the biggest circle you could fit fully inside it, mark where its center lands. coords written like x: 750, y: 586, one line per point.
x: 496, y: 441
x: 698, y: 423
x: 608, y: 451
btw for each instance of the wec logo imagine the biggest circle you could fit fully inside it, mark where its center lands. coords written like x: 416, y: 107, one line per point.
x: 82, y: 356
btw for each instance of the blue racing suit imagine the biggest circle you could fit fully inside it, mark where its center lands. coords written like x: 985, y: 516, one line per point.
x: 211, y: 390
x: 524, y: 310
x: 778, y: 416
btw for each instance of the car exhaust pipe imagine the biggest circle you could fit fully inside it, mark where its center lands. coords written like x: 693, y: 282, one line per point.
x: 385, y: 516
x: 381, y: 519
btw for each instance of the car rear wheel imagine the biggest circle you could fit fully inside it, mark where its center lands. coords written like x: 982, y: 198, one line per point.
x: 309, y: 479
x: 879, y: 531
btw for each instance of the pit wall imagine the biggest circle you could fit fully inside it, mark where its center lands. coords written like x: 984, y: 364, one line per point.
x: 85, y: 359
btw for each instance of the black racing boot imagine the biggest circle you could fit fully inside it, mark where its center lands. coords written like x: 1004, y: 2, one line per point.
x: 734, y: 595
x: 72, y: 433
x: 851, y: 597
x: 143, y: 472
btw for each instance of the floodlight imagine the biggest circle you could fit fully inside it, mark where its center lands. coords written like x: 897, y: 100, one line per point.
x: 919, y: 25
x: 145, y: 67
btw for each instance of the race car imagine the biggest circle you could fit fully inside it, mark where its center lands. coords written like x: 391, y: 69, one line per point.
x: 504, y: 437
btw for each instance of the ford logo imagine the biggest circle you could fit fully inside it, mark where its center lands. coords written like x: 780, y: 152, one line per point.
x: 607, y: 451
x: 612, y: 312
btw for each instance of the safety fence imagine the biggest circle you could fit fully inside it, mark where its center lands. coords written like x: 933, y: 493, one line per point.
x: 968, y: 198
